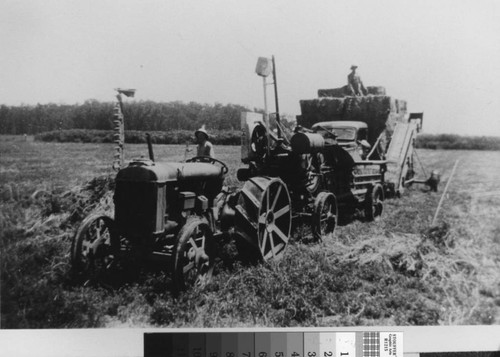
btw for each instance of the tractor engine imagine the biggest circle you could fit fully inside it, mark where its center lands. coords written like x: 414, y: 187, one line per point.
x: 307, y: 143
x: 152, y: 199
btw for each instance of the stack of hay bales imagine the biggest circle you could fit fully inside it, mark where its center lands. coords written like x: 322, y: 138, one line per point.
x: 344, y: 92
x: 380, y: 112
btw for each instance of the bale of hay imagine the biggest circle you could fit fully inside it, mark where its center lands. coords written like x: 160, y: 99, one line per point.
x: 345, y: 92
x: 334, y: 92
x: 375, y: 90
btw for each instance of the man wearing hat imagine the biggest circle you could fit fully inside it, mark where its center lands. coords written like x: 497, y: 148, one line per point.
x: 205, y: 147
x: 355, y: 84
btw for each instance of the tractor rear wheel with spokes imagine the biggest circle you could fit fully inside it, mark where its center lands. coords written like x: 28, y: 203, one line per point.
x: 263, y: 218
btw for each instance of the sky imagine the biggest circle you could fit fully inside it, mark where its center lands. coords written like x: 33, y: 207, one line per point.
x: 441, y: 56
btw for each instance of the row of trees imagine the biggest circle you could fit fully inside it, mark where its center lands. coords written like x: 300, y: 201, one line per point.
x: 217, y: 137
x: 173, y: 117
x: 139, y: 115
x: 233, y: 137
x: 457, y: 142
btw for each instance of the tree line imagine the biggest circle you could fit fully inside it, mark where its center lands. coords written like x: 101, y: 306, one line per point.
x: 233, y: 137
x: 139, y: 115
x: 457, y: 142
x: 217, y: 137
x: 171, y: 121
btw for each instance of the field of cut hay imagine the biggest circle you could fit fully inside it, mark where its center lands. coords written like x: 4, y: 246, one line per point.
x: 398, y: 270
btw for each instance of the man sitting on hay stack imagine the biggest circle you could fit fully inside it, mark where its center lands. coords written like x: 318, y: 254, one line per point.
x: 355, y: 84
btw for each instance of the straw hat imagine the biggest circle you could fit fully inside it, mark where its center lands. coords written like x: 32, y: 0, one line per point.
x: 201, y: 130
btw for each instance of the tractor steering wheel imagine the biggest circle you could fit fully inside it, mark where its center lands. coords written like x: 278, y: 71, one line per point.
x: 209, y: 160
x: 258, y: 140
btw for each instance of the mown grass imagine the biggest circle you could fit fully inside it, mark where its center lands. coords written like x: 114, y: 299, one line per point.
x: 397, y: 270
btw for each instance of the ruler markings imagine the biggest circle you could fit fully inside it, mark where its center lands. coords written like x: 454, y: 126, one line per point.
x: 197, y: 344
x: 246, y: 344
x: 213, y: 344
x: 311, y: 344
x: 278, y: 344
x: 345, y: 344
x: 180, y: 345
x: 262, y: 344
x: 295, y: 344
x: 274, y: 344
x: 327, y: 344
x: 229, y: 344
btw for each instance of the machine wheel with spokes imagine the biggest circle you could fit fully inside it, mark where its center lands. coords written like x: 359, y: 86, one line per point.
x: 194, y: 255
x: 374, y: 202
x: 325, y: 216
x: 95, y: 249
x: 263, y: 218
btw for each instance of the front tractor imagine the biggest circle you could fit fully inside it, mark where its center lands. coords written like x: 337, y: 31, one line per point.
x: 164, y: 218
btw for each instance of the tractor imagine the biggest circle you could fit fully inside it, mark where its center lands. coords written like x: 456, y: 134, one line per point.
x: 309, y: 177
x: 164, y: 217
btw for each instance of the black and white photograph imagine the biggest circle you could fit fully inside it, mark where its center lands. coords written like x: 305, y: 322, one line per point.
x: 171, y: 164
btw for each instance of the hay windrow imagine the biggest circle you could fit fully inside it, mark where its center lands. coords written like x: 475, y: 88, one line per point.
x: 455, y: 270
x: 36, y: 269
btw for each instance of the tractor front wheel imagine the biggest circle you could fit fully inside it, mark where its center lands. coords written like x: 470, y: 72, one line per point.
x: 194, y: 256
x: 95, y: 249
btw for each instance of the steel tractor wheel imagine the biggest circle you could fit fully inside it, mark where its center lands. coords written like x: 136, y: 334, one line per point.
x: 374, y: 202
x: 263, y: 218
x: 325, y: 215
x: 95, y: 249
x: 194, y: 256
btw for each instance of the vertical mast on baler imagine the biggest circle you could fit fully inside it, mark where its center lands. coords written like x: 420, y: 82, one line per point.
x: 278, y: 121
x: 265, y: 67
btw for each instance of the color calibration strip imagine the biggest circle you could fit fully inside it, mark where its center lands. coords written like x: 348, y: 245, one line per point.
x: 273, y: 344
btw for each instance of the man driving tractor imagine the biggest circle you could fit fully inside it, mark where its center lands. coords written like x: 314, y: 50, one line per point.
x: 205, y: 147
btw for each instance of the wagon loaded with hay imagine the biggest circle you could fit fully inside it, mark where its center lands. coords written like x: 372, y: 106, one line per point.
x: 390, y: 130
